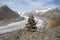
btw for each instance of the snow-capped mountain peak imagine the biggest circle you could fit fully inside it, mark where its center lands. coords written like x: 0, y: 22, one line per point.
x: 19, y: 13
x: 44, y: 10
x: 49, y: 9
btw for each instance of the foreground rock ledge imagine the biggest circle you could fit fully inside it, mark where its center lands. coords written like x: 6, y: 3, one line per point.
x: 51, y: 34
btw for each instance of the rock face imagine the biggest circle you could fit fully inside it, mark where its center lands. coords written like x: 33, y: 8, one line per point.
x: 7, y: 15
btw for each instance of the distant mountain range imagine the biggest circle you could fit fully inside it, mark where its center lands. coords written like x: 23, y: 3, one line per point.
x: 40, y: 12
x: 8, y: 15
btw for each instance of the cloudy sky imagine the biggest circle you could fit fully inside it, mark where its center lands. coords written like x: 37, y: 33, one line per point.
x: 29, y: 5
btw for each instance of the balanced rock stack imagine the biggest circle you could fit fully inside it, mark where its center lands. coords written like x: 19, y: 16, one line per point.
x: 31, y: 26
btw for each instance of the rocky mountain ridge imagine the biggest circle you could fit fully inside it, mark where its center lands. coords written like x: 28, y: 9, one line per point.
x: 7, y: 15
x: 40, y: 12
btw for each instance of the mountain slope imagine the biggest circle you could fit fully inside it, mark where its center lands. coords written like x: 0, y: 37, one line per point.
x: 7, y: 15
x: 52, y: 17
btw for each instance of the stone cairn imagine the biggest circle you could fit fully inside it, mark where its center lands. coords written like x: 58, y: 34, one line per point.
x: 31, y: 25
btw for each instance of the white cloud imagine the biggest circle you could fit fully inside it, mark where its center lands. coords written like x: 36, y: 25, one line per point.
x: 7, y: 3
x: 25, y: 5
x: 38, y: 2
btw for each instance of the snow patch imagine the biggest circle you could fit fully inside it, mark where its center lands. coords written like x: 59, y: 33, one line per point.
x: 44, y: 10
